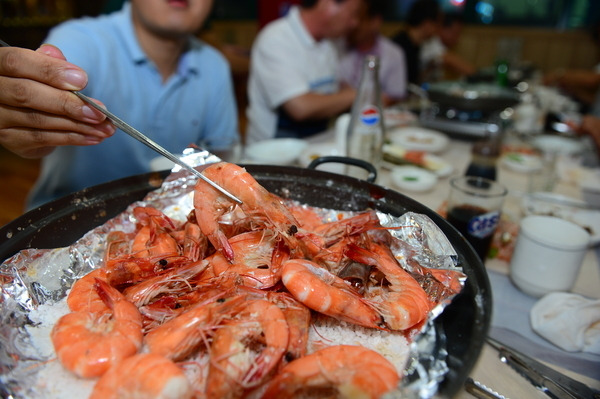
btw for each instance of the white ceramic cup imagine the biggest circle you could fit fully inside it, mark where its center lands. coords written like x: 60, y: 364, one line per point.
x: 548, y: 255
x: 341, y: 132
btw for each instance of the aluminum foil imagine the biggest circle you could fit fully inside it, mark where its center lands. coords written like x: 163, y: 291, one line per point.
x: 35, y: 277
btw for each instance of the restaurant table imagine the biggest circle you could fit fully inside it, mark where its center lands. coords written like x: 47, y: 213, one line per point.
x: 510, y: 316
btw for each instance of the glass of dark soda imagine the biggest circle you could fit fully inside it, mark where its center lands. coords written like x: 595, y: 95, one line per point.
x: 474, y: 207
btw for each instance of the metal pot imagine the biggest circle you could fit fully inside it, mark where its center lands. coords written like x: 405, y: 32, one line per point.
x: 472, y: 96
x: 464, y: 322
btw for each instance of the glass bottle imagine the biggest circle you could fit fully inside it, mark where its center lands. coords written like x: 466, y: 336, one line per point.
x: 484, y: 156
x: 365, y: 136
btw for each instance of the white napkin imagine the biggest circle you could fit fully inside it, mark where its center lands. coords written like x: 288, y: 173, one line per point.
x: 569, y: 321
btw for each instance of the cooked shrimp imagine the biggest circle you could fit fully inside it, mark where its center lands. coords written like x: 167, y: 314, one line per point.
x: 84, y: 295
x: 253, y: 252
x: 406, y: 303
x: 296, y: 315
x: 145, y: 375
x: 195, y: 244
x: 258, y: 203
x: 126, y: 270
x: 321, y: 244
x: 174, y: 281
x: 345, y: 370
x: 182, y: 335
x: 88, y: 344
x: 117, y: 244
x: 148, y: 243
x: 324, y: 292
x: 232, y: 367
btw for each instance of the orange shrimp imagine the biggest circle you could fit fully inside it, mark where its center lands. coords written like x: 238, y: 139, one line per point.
x: 148, y: 243
x: 253, y: 252
x: 88, y: 344
x: 326, y: 293
x: 83, y: 295
x: 306, y: 216
x: 344, y: 370
x: 258, y: 203
x: 174, y: 281
x: 182, y: 335
x: 232, y: 368
x: 320, y: 244
x: 145, y: 375
x: 406, y: 303
x: 153, y: 238
x: 117, y: 244
x: 296, y: 315
x: 195, y: 244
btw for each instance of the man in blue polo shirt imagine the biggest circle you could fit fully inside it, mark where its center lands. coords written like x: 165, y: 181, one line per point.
x: 144, y: 64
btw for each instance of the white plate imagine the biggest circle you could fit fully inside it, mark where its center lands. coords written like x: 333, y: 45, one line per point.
x: 396, y: 117
x: 419, y: 139
x: 431, y: 162
x: 413, y: 178
x: 564, y: 207
x: 315, y: 151
x: 523, y: 163
x: 275, y: 151
x: 558, y: 145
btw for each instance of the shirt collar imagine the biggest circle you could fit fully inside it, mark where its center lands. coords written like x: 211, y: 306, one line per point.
x: 137, y: 54
x: 299, y: 28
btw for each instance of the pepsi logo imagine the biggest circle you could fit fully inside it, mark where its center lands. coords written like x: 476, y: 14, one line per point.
x: 369, y: 115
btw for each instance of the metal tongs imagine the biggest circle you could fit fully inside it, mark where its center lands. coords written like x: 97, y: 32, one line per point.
x: 551, y: 382
x: 142, y: 138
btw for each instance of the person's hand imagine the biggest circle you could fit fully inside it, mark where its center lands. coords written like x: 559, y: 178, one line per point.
x: 37, y: 110
x: 590, y: 125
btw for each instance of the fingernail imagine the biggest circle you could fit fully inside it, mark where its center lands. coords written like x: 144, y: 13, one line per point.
x: 91, y: 113
x: 107, y: 128
x: 93, y: 140
x: 75, y: 79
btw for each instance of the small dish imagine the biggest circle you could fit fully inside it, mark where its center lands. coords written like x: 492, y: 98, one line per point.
x: 413, y: 178
x: 419, y: 139
x: 276, y: 151
x: 568, y: 208
x: 395, y: 155
x: 556, y: 144
x: 394, y: 117
x: 523, y: 163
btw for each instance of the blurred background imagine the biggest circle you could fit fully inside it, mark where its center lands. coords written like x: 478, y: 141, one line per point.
x: 546, y: 34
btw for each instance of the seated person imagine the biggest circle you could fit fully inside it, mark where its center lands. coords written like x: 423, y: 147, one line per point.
x: 292, y: 87
x: 422, y: 24
x: 146, y: 66
x: 366, y: 39
x: 437, y: 58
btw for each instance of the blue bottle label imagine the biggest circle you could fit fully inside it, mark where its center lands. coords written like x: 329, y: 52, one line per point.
x: 482, y: 226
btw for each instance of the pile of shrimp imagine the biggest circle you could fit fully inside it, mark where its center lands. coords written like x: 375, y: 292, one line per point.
x: 241, y: 285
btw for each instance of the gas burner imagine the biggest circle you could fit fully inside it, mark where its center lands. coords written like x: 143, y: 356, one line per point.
x: 465, y: 124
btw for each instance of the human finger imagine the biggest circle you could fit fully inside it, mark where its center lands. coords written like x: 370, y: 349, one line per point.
x: 30, y: 143
x: 52, y: 51
x: 28, y: 119
x: 26, y: 93
x: 38, y: 66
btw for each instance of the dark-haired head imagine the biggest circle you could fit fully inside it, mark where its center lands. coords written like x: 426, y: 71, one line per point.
x: 312, y: 3
x: 422, y: 11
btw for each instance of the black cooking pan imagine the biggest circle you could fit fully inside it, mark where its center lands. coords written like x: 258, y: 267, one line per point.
x: 465, y: 321
x: 465, y: 96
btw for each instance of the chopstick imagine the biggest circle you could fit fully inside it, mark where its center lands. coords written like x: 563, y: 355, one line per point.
x: 139, y: 136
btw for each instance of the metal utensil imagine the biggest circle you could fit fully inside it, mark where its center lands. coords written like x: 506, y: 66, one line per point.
x: 551, y: 382
x: 480, y: 391
x: 142, y: 138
